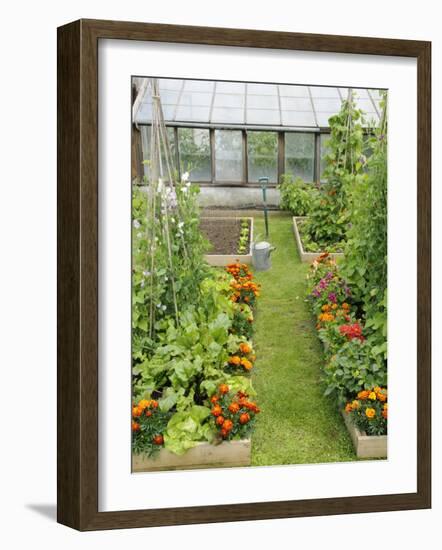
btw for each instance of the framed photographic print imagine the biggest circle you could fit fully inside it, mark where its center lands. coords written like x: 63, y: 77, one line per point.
x: 243, y: 274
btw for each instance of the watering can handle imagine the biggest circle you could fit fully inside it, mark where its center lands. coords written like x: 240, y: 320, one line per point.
x: 272, y: 248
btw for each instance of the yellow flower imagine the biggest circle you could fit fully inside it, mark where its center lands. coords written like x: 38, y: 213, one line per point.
x: 144, y: 403
x: 372, y: 396
x: 370, y: 413
x: 355, y: 404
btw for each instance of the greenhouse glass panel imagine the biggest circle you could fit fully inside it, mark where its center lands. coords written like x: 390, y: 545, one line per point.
x: 196, y: 98
x: 194, y: 150
x: 262, y: 89
x: 263, y: 116
x: 293, y: 91
x: 229, y: 100
x: 262, y: 154
x: 146, y: 132
x: 227, y: 115
x: 325, y: 149
x: 300, y: 155
x: 228, y: 154
x: 296, y: 103
x: 262, y: 101
x: 298, y: 118
x: 168, y: 97
x: 323, y: 118
x: 199, y: 86
x: 170, y: 84
x: 324, y: 91
x: 230, y: 87
x: 327, y: 105
x: 192, y: 113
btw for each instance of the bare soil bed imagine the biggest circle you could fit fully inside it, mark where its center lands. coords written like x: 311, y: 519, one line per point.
x: 223, y: 234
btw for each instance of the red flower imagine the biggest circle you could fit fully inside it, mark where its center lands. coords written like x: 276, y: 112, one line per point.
x: 352, y: 331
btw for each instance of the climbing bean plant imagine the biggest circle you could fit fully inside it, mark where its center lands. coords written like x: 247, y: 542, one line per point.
x: 365, y: 264
x: 329, y: 218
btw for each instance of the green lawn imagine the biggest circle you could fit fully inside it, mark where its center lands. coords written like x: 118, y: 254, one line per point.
x: 298, y: 424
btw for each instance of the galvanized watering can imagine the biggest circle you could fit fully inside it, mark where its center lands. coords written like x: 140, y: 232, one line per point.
x: 261, y: 255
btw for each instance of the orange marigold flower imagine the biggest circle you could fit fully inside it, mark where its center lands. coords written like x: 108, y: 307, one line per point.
x: 154, y: 404
x: 214, y: 399
x: 223, y: 388
x: 245, y: 348
x: 355, y: 404
x: 217, y: 410
x: 382, y: 395
x: 335, y: 306
x: 233, y: 407
x: 135, y: 427
x: 325, y: 307
x: 227, y: 425
x: 348, y: 408
x: 370, y: 413
x: 144, y: 403
x: 220, y: 420
x: 158, y: 439
x: 244, y: 418
x: 246, y: 364
x: 235, y: 360
x: 345, y: 306
x: 363, y: 394
x: 137, y: 411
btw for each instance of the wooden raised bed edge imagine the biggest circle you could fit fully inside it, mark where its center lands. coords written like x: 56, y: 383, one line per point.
x: 308, y: 257
x: 219, y: 260
x: 366, y: 446
x: 228, y: 454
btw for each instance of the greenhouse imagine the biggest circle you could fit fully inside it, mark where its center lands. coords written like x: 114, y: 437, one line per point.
x: 227, y: 135
x: 259, y: 274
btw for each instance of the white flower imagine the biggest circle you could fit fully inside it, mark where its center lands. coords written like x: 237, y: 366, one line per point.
x: 188, y: 184
x: 180, y: 225
x: 142, y: 284
x: 146, y: 273
x: 158, y: 306
x: 184, y: 189
x: 185, y: 176
x: 163, y: 308
x: 136, y: 224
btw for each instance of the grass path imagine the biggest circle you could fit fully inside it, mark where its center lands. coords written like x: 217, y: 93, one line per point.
x: 298, y: 424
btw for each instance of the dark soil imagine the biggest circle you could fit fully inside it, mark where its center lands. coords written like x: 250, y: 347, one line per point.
x: 222, y: 234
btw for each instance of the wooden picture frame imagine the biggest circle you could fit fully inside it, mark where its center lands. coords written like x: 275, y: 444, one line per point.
x: 78, y: 273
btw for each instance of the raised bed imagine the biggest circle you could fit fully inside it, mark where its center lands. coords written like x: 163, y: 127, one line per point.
x: 228, y: 454
x: 366, y: 446
x: 219, y: 228
x: 308, y: 257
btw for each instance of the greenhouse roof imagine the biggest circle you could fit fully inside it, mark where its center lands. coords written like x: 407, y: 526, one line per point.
x: 220, y: 103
